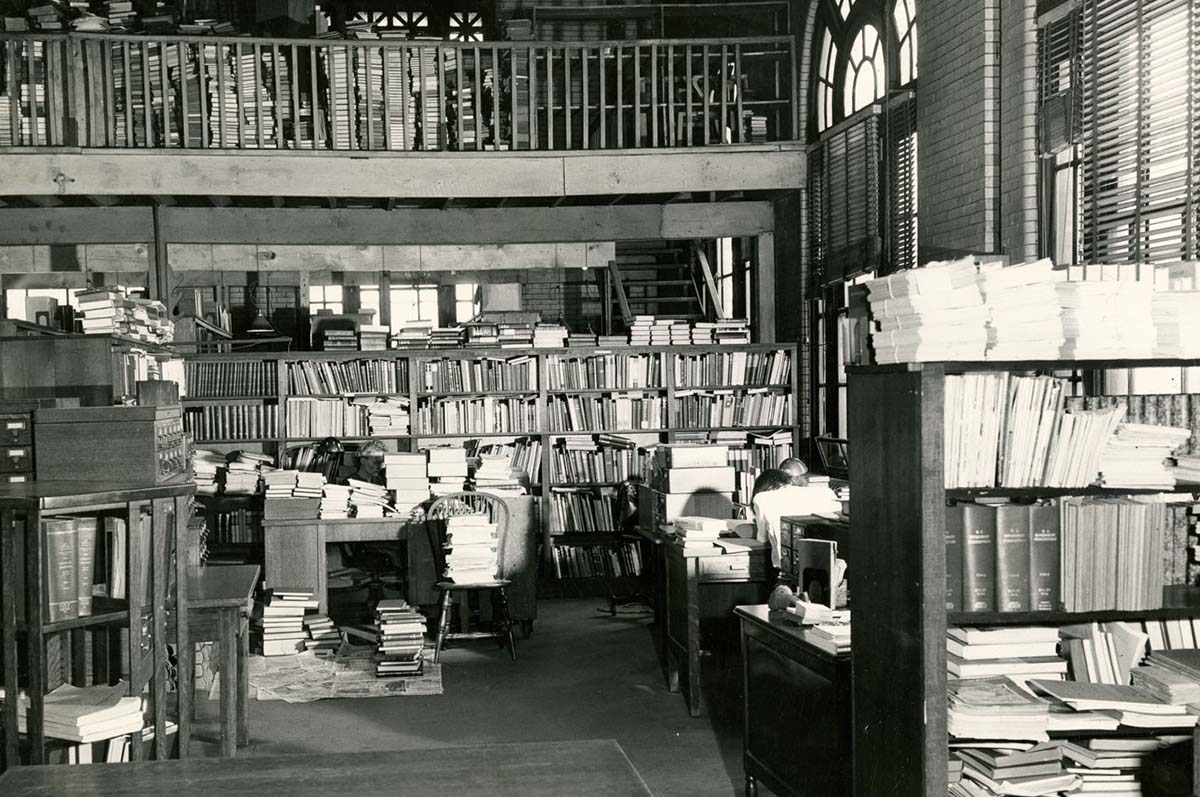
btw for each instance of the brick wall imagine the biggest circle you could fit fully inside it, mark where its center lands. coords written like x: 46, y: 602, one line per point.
x: 1018, y: 129
x: 570, y: 292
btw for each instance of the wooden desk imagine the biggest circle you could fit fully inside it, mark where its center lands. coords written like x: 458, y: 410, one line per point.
x: 698, y: 599
x: 219, y: 600
x: 560, y: 768
x: 796, y: 737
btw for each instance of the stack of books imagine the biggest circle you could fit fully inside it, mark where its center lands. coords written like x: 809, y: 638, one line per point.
x: 408, y: 479
x: 1107, y: 319
x: 609, y: 341
x: 494, y: 474
x: 280, y: 483
x: 335, y: 502
x: 1136, y: 456
x: 447, y: 469
x: 660, y: 332
x: 323, y: 637
x: 85, y: 714
x: 388, y: 417
x: 1000, y: 769
x: 471, y: 549
x: 1024, y: 319
x: 446, y: 337
x: 109, y: 311
x: 309, y: 484
x: 244, y: 474
x: 696, y: 535
x: 581, y: 340
x: 401, y: 638
x: 1103, y: 653
x: 278, y: 620
x: 518, y: 30
x: 414, y: 335
x: 995, y: 708
x: 732, y: 332
x: 46, y: 16
x: 1022, y: 652
x: 339, y: 340
x: 1177, y: 324
x: 549, y: 336
x: 704, y: 333
x: 681, y: 334
x: 483, y: 335
x: 1111, y: 764
x: 931, y: 313
x: 516, y: 336
x: 1170, y: 677
x: 373, y: 338
x: 368, y: 500
x: 639, y: 330
x: 205, y: 467
x: 1130, y: 706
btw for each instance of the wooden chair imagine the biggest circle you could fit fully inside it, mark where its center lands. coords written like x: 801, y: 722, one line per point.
x: 462, y: 504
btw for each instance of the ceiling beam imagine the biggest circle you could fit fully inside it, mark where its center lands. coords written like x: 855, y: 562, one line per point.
x: 220, y: 201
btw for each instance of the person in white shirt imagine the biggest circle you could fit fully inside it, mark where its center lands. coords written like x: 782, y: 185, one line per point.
x: 776, y: 495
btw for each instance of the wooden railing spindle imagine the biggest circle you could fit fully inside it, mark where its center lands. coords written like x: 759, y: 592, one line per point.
x: 620, y: 98
x: 707, y: 115
x: 186, y: 122
x: 478, y: 99
x: 533, y: 99
x: 147, y: 103
x: 603, y: 67
x: 241, y: 93
x: 165, y: 87
x: 387, y: 98
x: 654, y: 95
x: 568, y: 138
x: 314, y: 99
x: 221, y: 87
x: 672, y: 137
x: 637, y: 95
x: 585, y: 123
x: 279, y: 100
x: 201, y: 76
x: 737, y: 87
x: 689, y: 89
x: 724, y: 95
x: 549, y: 97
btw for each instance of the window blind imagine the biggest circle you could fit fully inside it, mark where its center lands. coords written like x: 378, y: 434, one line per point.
x: 846, y: 174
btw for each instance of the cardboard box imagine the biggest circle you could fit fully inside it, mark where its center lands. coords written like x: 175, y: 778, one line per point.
x: 694, y: 480
x: 689, y: 455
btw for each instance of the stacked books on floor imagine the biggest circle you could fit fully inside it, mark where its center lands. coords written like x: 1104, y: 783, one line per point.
x: 471, y: 549
x: 85, y: 714
x: 447, y: 469
x: 494, y: 474
x: 278, y: 620
x: 1022, y: 652
x: 323, y: 637
x: 408, y: 478
x: 401, y: 639
x: 335, y: 502
x: 368, y: 500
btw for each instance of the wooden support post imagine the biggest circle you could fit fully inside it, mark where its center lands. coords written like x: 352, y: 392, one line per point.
x: 159, y: 276
x: 764, y: 289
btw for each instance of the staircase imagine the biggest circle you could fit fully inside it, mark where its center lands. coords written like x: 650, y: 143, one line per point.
x: 659, y: 278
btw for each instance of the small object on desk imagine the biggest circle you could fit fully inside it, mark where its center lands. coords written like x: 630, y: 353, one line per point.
x: 806, y: 613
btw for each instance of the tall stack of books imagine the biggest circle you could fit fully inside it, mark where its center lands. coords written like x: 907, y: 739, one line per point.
x: 704, y: 333
x: 372, y: 337
x: 1023, y: 652
x: 1103, y: 319
x: 549, y: 336
x: 205, y: 467
x: 401, y: 639
x: 280, y: 483
x: 278, y: 620
x: 494, y: 474
x: 335, y: 502
x: 696, y: 535
x: 447, y: 469
x: 255, y: 103
x: 368, y: 500
x: 388, y: 417
x: 244, y: 474
x: 1136, y: 456
x: 515, y: 335
x: 471, y: 549
x: 309, y: 484
x: 109, y: 311
x: 660, y: 332
x: 639, y: 330
x: 85, y: 714
x: 681, y: 334
x: 431, y: 134
x: 1015, y: 765
x: 1024, y: 319
x: 408, y: 479
x: 340, y: 94
x: 323, y: 637
x: 930, y: 313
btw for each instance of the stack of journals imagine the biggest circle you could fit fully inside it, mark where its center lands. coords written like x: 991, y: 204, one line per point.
x: 1186, y: 469
x: 447, y: 469
x: 931, y: 313
x: 1170, y: 677
x: 660, y: 332
x: 278, y: 620
x: 1107, y: 319
x: 368, y: 500
x: 1130, y: 706
x: 372, y: 338
x: 1103, y: 653
x: 832, y: 636
x: 84, y: 715
x: 309, y: 484
x: 696, y: 535
x: 446, y: 338
x: 516, y: 336
x: 471, y: 549
x: 280, y: 483
x: 401, y: 638
x: 606, y: 341
x: 109, y: 311
x: 243, y: 475
x: 995, y: 708
x: 323, y: 637
x: 732, y: 332
x: 205, y: 467
x: 1177, y: 323
x: 413, y: 336
x: 681, y: 334
x: 408, y: 479
x: 494, y: 474
x: 1024, y: 321
x: 335, y: 502
x: 1112, y: 764
x: 1136, y: 456
x: 388, y: 417
x: 1019, y: 769
x: 339, y: 340
x: 581, y: 340
x: 525, y: 454
x: 639, y: 330
x: 703, y: 333
x: 481, y: 335
x: 1020, y: 651
x: 549, y: 336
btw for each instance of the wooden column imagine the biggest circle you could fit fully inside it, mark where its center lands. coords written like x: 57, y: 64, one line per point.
x: 764, y: 289
x: 158, y: 277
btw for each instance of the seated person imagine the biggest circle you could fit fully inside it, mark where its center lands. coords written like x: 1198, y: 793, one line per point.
x: 369, y: 465
x: 775, y: 495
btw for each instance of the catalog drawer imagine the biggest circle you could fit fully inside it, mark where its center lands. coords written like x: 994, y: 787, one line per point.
x: 16, y: 429
x: 731, y: 566
x: 16, y: 459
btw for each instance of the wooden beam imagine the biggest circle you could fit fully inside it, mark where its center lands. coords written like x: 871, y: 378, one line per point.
x: 764, y: 289
x: 76, y: 225
x: 463, y: 225
x: 437, y: 175
x: 164, y: 199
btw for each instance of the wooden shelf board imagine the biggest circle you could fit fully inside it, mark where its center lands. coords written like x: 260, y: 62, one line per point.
x: 558, y: 391
x: 96, y: 618
x: 588, y: 538
x: 202, y: 399
x: 968, y: 493
x: 1178, y: 602
x: 482, y: 394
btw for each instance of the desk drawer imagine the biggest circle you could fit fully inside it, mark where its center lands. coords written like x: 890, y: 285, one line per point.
x: 732, y: 567
x: 16, y: 429
x: 16, y: 478
x: 16, y: 459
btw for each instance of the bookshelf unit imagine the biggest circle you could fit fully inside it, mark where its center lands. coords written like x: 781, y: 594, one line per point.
x: 530, y: 380
x: 897, y: 543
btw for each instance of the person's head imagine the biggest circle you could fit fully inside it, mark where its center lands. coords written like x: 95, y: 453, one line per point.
x: 796, y: 470
x: 370, y: 457
x: 770, y: 479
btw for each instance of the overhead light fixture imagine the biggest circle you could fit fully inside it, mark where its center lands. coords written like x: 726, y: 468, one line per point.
x: 260, y: 325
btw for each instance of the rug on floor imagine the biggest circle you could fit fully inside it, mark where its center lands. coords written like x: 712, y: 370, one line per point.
x: 305, y: 677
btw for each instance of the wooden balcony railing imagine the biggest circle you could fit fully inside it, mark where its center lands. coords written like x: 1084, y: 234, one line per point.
x: 102, y: 90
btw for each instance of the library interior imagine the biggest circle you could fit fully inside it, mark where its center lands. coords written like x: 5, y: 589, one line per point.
x: 521, y: 397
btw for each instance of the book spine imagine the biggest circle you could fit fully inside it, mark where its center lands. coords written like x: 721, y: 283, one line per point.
x: 979, y: 558
x: 1012, y: 558
x: 62, y: 589
x: 954, y: 558
x: 86, y: 561
x: 1044, y: 553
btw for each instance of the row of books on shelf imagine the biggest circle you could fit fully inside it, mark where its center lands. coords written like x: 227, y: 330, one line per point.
x: 1076, y: 554
x: 607, y: 459
x: 597, y: 561
x: 477, y: 416
x: 325, y: 377
x: 313, y: 417
x: 631, y: 411
x: 235, y: 527
x: 584, y: 510
x: 479, y: 375
x: 1019, y: 431
x: 232, y: 421
x: 524, y: 454
x: 756, y: 407
x: 734, y: 368
x: 607, y: 370
x: 230, y: 378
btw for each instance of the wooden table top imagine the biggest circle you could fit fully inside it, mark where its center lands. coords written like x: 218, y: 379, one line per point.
x: 558, y: 768
x: 60, y: 495
x: 221, y: 586
x: 763, y: 617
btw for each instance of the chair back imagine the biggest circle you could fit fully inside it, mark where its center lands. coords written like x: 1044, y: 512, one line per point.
x: 464, y: 503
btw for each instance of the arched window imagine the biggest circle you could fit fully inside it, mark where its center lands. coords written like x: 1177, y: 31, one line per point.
x: 866, y: 77
x: 904, y: 14
x: 825, y: 91
x: 844, y: 7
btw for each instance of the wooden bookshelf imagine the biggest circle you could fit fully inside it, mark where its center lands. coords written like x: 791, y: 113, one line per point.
x: 412, y: 363
x: 897, y: 543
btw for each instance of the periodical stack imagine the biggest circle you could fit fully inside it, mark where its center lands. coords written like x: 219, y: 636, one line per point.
x: 447, y: 469
x: 408, y: 479
x: 931, y: 313
x: 471, y: 549
x: 278, y: 620
x: 323, y: 637
x: 369, y: 500
x: 401, y: 638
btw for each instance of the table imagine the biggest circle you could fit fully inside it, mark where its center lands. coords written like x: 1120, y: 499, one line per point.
x: 697, y: 595
x: 797, y: 731
x: 219, y: 599
x: 560, y: 768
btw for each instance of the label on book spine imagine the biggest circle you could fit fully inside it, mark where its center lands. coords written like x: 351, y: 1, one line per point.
x: 85, y: 529
x: 1044, y: 551
x: 62, y: 587
x: 1012, y: 558
x: 979, y: 558
x: 954, y: 558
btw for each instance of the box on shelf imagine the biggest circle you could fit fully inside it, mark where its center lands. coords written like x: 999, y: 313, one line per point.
x: 690, y: 455
x: 144, y: 445
x: 694, y: 480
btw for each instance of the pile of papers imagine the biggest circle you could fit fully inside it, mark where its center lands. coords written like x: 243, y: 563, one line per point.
x: 931, y: 313
x: 1018, y: 769
x: 335, y: 502
x: 401, y: 639
x: 1162, y: 678
x: 205, y: 467
x: 471, y: 549
x: 1107, y: 319
x: 369, y: 500
x: 408, y: 478
x: 242, y: 476
x: 85, y: 715
x: 323, y: 637
x: 1021, y: 652
x: 1024, y: 320
x: 549, y: 336
x: 278, y: 620
x: 1136, y: 456
x: 1177, y: 322
x: 447, y: 469
x: 1130, y: 706
x: 110, y: 311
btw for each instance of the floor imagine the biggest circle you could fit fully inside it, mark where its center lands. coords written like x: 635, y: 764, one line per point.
x: 582, y: 675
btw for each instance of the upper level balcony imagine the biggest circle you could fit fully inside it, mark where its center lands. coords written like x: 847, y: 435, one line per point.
x: 122, y: 115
